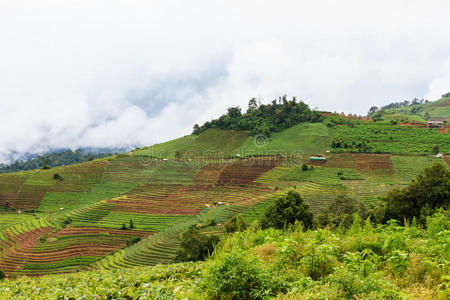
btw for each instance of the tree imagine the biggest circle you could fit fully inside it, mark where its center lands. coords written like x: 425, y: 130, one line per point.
x: 236, y: 223
x: 286, y: 210
x: 196, y: 129
x: 195, y: 245
x: 46, y: 166
x: 2, y: 275
x: 422, y: 197
x: 372, y: 110
x: 316, y: 117
x: 131, y: 224
x: 436, y: 149
x: 252, y: 105
x: 124, y: 227
x: 340, y: 212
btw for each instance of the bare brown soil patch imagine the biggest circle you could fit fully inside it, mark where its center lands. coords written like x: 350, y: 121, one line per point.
x: 372, y: 161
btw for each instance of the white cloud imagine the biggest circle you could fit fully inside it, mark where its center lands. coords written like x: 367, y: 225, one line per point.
x: 106, y: 73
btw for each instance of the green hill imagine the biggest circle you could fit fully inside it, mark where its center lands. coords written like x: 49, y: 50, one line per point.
x: 419, y: 113
x: 130, y: 210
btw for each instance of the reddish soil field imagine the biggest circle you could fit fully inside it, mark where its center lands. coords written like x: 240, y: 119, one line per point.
x: 96, y: 230
x: 14, y: 255
x: 372, y: 161
x: 246, y: 171
x: 209, y: 174
x: 19, y: 248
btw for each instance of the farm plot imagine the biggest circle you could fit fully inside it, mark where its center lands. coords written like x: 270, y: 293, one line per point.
x: 209, y: 174
x: 60, y: 251
x: 172, y: 172
x: 246, y: 171
x: 152, y: 250
x: 368, y: 191
x: 408, y: 167
x: 386, y: 138
x: 30, y: 194
x: 373, y: 162
x: 11, y: 218
x: 127, y: 169
x: 10, y: 185
x: 183, y: 200
x: 53, y: 201
x: 80, y: 177
x: 17, y: 240
x: 340, y: 160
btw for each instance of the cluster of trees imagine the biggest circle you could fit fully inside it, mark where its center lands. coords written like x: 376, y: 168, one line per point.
x: 264, y: 119
x: 426, y: 194
x: 360, y: 147
x: 54, y: 159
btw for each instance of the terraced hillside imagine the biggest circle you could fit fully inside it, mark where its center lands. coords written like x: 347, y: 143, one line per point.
x: 131, y: 209
x: 419, y: 113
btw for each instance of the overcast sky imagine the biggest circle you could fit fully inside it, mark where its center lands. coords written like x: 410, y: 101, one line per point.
x: 115, y: 73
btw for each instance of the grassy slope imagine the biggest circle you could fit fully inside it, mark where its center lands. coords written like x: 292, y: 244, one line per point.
x: 216, y: 141
x: 391, y: 139
x: 302, y: 138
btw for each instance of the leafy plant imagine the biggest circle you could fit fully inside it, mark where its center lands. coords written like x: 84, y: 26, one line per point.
x: 287, y: 210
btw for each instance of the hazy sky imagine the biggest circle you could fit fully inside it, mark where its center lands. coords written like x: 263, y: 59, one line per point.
x: 114, y: 73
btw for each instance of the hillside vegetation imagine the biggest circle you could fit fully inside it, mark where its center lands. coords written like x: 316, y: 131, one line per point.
x: 132, y: 210
x: 364, y: 262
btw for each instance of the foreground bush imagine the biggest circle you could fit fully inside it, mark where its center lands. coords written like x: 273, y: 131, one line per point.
x: 196, y: 245
x: 364, y: 262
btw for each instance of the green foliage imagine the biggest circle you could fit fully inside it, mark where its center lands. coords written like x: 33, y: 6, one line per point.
x: 195, y: 245
x: 2, y: 275
x: 56, y: 176
x: 124, y: 227
x: 236, y: 223
x: 428, y: 192
x: 436, y: 149
x: 238, y: 276
x: 131, y: 224
x: 264, y: 119
x: 133, y: 241
x: 340, y: 212
x: 287, y: 210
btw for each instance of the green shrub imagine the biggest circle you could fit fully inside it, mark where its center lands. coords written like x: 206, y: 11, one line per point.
x: 340, y: 212
x: 2, y: 275
x: 236, y: 223
x: 133, y: 241
x: 195, y: 245
x: 427, y: 193
x: 237, y: 275
x: 287, y: 210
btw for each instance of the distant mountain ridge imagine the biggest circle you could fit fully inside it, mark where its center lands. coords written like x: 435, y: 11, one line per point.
x: 58, y: 157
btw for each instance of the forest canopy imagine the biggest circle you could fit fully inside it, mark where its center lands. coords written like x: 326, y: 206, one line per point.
x: 264, y: 118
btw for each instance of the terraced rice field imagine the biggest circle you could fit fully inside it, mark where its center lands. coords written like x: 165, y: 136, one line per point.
x: 77, y: 221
